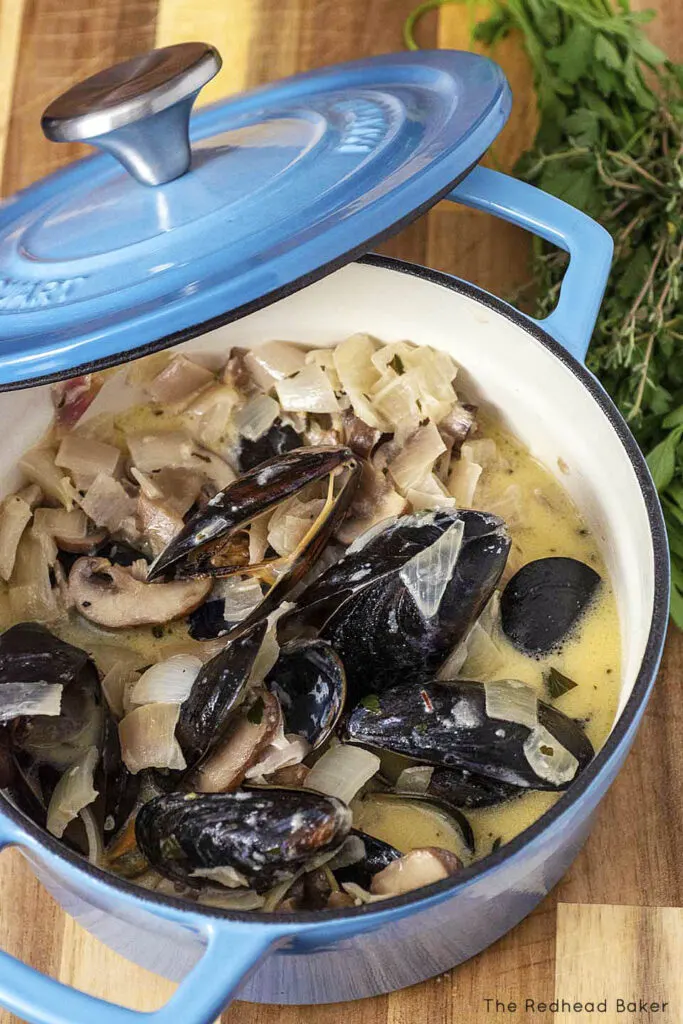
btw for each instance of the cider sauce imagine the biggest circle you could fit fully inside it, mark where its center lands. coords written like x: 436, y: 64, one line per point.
x: 543, y: 521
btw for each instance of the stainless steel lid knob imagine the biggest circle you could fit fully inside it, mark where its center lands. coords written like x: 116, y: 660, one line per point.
x: 138, y: 110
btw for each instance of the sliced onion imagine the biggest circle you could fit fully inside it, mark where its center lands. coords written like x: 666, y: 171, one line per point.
x: 483, y: 450
x: 148, y: 740
x: 179, y: 380
x: 428, y: 573
x: 361, y: 895
x: 269, y: 650
x: 353, y: 363
x: 483, y: 656
x: 117, y: 685
x: 240, y: 596
x: 106, y: 656
x: 157, y: 523
x: 510, y: 700
x: 508, y: 505
x: 324, y: 358
x: 31, y: 594
x: 73, y: 792
x: 416, y: 460
x: 38, y: 464
x: 414, y: 780
x: 209, y: 417
x: 106, y: 503
x: 307, y: 391
x: 36, y: 698
x: 274, y: 361
x: 342, y: 771
x: 87, y: 458
x: 65, y: 527
x: 150, y: 452
x: 167, y: 682
x: 429, y: 494
x: 548, y: 758
x: 350, y: 852
x: 396, y: 401
x: 15, y: 514
x: 463, y: 480
x: 280, y: 755
x: 223, y: 875
x: 93, y: 836
x: 258, y: 538
x: 237, y: 899
x: 255, y: 418
x: 290, y: 523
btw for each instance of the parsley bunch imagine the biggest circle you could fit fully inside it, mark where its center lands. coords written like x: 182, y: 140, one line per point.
x: 610, y: 142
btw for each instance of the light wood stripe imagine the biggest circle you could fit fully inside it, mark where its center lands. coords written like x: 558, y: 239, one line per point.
x: 612, y: 953
x: 11, y: 19
x: 229, y: 26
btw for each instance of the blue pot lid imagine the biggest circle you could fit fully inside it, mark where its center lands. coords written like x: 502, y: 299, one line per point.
x: 286, y: 183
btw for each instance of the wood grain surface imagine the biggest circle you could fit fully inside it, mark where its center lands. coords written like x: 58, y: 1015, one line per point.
x: 607, y: 928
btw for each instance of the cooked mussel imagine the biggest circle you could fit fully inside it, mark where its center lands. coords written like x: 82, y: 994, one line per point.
x: 29, y: 653
x: 404, y: 595
x: 362, y: 856
x: 544, y: 600
x: 218, y: 689
x: 310, y: 683
x: 277, y: 440
x: 440, y: 803
x: 459, y: 787
x: 264, y: 836
x: 449, y: 725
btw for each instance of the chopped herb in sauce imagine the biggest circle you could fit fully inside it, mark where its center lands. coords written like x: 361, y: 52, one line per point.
x: 371, y: 703
x: 557, y: 683
x: 255, y: 712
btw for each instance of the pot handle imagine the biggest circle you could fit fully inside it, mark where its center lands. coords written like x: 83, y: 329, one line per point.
x: 232, y: 951
x: 589, y: 246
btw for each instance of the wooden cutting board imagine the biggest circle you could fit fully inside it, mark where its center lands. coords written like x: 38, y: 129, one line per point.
x: 611, y: 929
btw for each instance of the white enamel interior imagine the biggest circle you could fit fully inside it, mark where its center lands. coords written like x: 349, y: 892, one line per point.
x: 540, y: 398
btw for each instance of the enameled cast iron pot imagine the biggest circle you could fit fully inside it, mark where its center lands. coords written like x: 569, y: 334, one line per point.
x: 533, y: 374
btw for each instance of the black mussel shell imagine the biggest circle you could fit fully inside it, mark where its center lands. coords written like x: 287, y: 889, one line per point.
x: 118, y: 552
x: 208, y: 622
x: 446, y: 724
x: 280, y: 438
x: 29, y: 652
x: 309, y: 681
x: 440, y: 803
x: 378, y: 855
x: 364, y: 606
x: 215, y: 693
x: 458, y: 787
x: 544, y: 600
x: 117, y: 787
x: 266, y: 835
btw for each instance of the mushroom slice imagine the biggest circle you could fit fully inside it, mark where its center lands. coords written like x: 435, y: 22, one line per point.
x: 415, y: 869
x: 109, y: 595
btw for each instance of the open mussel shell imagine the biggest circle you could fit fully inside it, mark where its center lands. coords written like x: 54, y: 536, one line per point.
x: 399, y: 602
x: 544, y: 600
x: 310, y: 683
x: 216, y: 692
x: 30, y: 652
x: 195, y: 551
x: 376, y: 855
x: 442, y: 804
x: 447, y: 725
x: 265, y: 835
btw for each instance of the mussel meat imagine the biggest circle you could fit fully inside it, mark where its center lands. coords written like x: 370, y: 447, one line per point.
x: 310, y: 683
x: 404, y: 595
x: 544, y: 600
x: 263, y: 835
x: 447, y: 724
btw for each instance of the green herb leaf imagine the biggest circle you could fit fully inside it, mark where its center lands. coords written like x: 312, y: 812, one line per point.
x: 557, y: 683
x: 496, y: 844
x: 606, y: 52
x: 371, y: 703
x: 662, y: 459
x: 255, y: 712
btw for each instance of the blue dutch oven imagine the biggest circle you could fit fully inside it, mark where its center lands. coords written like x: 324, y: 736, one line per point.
x: 254, y: 232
